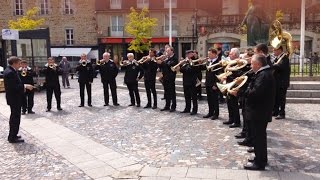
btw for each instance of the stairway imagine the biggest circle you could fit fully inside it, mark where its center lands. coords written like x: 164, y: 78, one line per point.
x: 298, y: 92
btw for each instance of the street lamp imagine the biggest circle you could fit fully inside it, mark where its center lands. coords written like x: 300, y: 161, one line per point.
x: 193, y: 21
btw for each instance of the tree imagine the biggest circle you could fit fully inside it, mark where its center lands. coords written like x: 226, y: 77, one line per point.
x: 279, y: 15
x: 27, y: 22
x: 140, y: 26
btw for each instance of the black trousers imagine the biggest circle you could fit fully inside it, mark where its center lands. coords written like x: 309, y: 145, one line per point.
x: 134, y: 93
x: 57, y: 94
x: 151, y: 88
x: 233, y: 109
x: 190, y: 93
x: 27, y: 101
x: 280, y: 101
x: 14, y: 122
x: 65, y: 79
x: 170, y: 94
x: 260, y: 142
x: 86, y: 85
x: 113, y: 89
x: 213, y: 101
x: 199, y: 88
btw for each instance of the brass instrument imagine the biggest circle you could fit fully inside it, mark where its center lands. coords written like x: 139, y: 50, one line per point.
x: 100, y: 62
x: 235, y: 84
x: 52, y: 66
x: 193, y: 62
x: 224, y: 75
x: 146, y: 59
x: 84, y: 63
x: 161, y: 57
x: 277, y: 36
x: 222, y: 64
x: 123, y: 63
x: 175, y: 68
x: 236, y: 64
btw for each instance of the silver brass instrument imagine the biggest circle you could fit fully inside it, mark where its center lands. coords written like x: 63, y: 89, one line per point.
x: 84, y: 63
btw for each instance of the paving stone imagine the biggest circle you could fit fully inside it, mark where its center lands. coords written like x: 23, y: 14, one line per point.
x: 100, y: 172
x: 173, y: 171
x: 149, y: 171
x: 155, y: 178
x: 263, y: 175
x: 232, y: 174
x: 203, y: 173
x: 294, y: 176
x: 88, y: 165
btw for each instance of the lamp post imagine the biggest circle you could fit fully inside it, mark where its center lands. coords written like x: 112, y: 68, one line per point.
x: 193, y: 21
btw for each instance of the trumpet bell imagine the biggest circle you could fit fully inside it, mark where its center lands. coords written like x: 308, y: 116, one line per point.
x: 238, y: 83
x: 23, y: 73
x: 224, y: 87
x: 236, y: 65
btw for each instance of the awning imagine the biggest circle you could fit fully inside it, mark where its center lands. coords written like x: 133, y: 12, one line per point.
x: 223, y: 40
x: 75, y: 51
x: 55, y: 52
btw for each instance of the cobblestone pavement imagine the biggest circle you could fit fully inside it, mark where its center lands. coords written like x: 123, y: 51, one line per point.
x: 163, y: 139
x: 32, y: 160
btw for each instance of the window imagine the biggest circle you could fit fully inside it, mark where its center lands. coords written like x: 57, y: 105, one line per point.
x: 44, y: 8
x: 116, y: 26
x: 174, y: 24
x: 69, y: 37
x: 18, y: 7
x: 142, y: 3
x: 173, y: 3
x: 67, y: 7
x: 115, y: 4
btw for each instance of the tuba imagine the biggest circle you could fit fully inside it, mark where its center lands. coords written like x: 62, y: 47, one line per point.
x: 278, y: 37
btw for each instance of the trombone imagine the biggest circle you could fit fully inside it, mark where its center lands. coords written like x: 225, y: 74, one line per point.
x: 175, y: 68
x: 222, y: 63
x: 193, y: 62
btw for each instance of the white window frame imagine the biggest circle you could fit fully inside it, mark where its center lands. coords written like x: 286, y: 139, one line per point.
x: 69, y: 36
x: 174, y: 25
x: 173, y: 3
x: 44, y: 7
x: 67, y: 7
x: 142, y: 3
x: 18, y: 11
x: 116, y: 28
x: 115, y: 4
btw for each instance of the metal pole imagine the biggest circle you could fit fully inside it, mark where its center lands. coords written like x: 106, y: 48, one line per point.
x: 303, y: 13
x: 170, y: 23
x: 192, y: 35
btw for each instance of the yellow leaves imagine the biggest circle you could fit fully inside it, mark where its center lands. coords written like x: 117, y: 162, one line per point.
x: 28, y: 21
x: 279, y: 15
x: 140, y: 26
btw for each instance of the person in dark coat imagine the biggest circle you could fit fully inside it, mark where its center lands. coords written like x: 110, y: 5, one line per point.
x: 281, y: 74
x: 14, y: 92
x: 211, y: 85
x: 260, y: 101
x: 168, y: 79
x: 108, y: 71
x: 51, y: 72
x: 190, y: 75
x: 150, y: 71
x: 26, y: 75
x: 132, y: 75
x: 85, y: 79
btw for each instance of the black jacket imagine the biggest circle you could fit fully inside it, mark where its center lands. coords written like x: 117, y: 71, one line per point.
x: 13, y: 85
x: 211, y: 76
x: 51, y: 76
x: 260, y: 96
x: 133, y: 72
x: 85, y: 73
x: 108, y: 71
x: 150, y: 70
x: 190, y: 74
x: 168, y: 74
x: 28, y: 79
x: 282, y: 72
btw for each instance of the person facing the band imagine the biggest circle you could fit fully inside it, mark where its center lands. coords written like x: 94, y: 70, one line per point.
x: 85, y: 71
x: 132, y: 75
x: 150, y: 71
x: 51, y: 72
x: 281, y: 67
x: 169, y: 78
x: 211, y: 85
x: 190, y: 75
x: 108, y: 71
x: 14, y: 92
x: 26, y: 75
x: 65, y: 67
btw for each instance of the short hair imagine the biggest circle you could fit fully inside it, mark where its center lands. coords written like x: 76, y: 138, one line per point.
x: 83, y: 54
x: 189, y: 51
x: 64, y: 57
x: 50, y: 58
x: 262, y: 47
x: 261, y: 59
x: 236, y: 51
x: 250, y: 52
x: 213, y: 50
x: 219, y: 49
x: 106, y: 53
x: 153, y: 50
x: 130, y: 54
x: 24, y: 62
x: 13, y: 60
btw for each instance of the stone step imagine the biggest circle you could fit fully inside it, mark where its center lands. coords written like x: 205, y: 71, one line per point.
x: 303, y: 93
x: 305, y: 85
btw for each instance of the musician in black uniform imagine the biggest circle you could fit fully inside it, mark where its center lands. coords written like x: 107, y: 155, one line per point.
x: 211, y: 85
x: 150, y: 71
x: 26, y: 76
x: 52, y: 72
x: 132, y: 75
x: 232, y: 101
x: 190, y: 75
x: 264, y: 50
x: 85, y: 79
x: 221, y: 98
x: 108, y: 71
x: 169, y: 78
x: 199, y: 74
x: 281, y: 74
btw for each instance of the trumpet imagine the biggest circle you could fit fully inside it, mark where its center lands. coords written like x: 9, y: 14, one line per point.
x: 193, y: 62
x: 175, y: 68
x: 84, y: 63
x: 24, y: 73
x: 161, y: 57
x: 52, y: 66
x: 222, y: 63
x: 144, y: 59
x: 100, y: 62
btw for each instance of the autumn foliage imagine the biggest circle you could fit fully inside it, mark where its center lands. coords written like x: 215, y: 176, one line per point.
x: 27, y: 22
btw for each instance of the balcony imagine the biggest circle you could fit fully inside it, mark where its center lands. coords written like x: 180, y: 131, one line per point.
x: 115, y: 31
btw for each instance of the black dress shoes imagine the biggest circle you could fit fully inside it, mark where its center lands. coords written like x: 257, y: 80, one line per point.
x: 16, y: 140
x: 138, y: 105
x: 185, y: 111
x: 254, y: 167
x: 106, y: 105
x: 240, y: 135
x: 131, y: 105
x: 59, y: 109
x: 23, y: 113
x: 81, y: 105
x: 234, y: 125
x: 31, y: 112
x: 251, y: 160
x: 116, y: 104
x: 214, y: 117
x: 48, y: 110
x: 193, y: 113
x: 154, y: 107
x: 250, y: 150
x: 165, y: 109
x: 245, y: 143
x: 207, y: 116
x: 147, y: 106
x: 172, y: 110
x: 90, y: 105
x: 227, y: 122
x: 280, y: 117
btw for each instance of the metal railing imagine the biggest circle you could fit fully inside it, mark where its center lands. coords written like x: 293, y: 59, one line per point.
x: 310, y: 66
